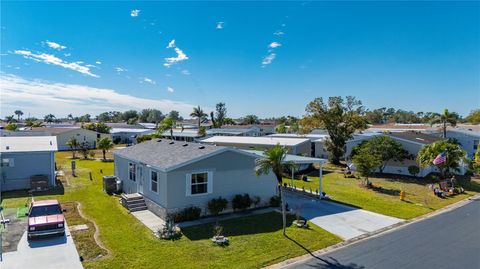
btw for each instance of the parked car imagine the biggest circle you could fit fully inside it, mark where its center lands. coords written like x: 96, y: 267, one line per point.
x: 45, y: 218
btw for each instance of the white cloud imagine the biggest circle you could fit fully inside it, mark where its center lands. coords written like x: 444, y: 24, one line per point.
x: 55, y: 45
x: 186, y: 72
x: 268, y: 59
x: 119, y: 69
x: 98, y: 62
x: 171, y: 44
x: 39, y: 97
x: 135, y: 13
x: 170, y: 89
x: 274, y: 45
x: 51, y: 59
x: 148, y: 80
x: 279, y: 33
x: 181, y: 56
x: 220, y: 25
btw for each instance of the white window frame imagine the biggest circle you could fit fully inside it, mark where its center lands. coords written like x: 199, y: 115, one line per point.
x: 151, y: 181
x: 7, y: 162
x: 188, y: 181
x: 134, y: 171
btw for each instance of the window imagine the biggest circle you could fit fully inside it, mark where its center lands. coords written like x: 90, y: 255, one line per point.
x: 132, y: 168
x: 154, y: 179
x: 7, y: 162
x: 199, y: 183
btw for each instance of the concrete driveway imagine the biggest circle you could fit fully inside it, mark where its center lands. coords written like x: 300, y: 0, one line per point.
x: 49, y: 252
x: 344, y: 221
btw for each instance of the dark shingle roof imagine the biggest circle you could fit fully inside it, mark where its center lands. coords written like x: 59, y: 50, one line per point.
x: 162, y: 154
x: 416, y: 137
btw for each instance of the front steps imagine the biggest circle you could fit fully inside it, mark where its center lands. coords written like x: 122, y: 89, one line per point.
x: 134, y: 202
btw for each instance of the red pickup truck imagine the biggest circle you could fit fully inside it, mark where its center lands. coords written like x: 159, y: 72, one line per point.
x: 45, y: 218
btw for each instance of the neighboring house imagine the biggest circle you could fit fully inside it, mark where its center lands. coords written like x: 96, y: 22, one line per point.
x: 236, y: 130
x: 468, y: 139
x: 188, y: 135
x: 174, y: 175
x: 315, y: 139
x: 295, y: 146
x: 22, y: 157
x: 128, y: 135
x: 66, y: 133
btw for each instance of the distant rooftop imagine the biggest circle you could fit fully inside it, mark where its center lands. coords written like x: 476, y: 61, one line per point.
x: 52, y: 130
x: 250, y: 140
x: 291, y: 158
x: 166, y: 153
x: 417, y: 137
x: 28, y: 144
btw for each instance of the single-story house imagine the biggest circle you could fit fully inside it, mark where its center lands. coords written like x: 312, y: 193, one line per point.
x: 172, y: 175
x: 64, y: 134
x: 320, y: 152
x: 23, y: 157
x: 188, y: 135
x: 468, y: 138
x: 295, y: 146
x: 236, y: 130
x: 128, y: 135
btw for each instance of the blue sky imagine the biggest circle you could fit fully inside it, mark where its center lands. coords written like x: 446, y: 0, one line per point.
x: 264, y: 58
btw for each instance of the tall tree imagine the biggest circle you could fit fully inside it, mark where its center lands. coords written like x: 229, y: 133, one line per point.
x: 19, y: 113
x: 454, y: 156
x: 446, y: 118
x: 199, y: 114
x: 341, y: 118
x: 85, y: 118
x: 130, y: 116
x: 281, y: 128
x: 10, y: 119
x: 49, y: 118
x: 365, y: 163
x: 104, y: 117
x: 274, y: 161
x: 473, y: 117
x: 175, y: 115
x: 165, y: 125
x: 220, y: 115
x: 105, y: 144
x: 250, y: 119
x: 384, y: 148
x: 73, y: 144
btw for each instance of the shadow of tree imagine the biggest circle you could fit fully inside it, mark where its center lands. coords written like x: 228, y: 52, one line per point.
x: 57, y: 190
x: 264, y: 223
x: 393, y: 192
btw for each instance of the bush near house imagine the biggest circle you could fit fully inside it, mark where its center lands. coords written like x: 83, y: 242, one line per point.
x: 241, y: 202
x: 275, y: 201
x: 217, y: 205
x: 189, y: 213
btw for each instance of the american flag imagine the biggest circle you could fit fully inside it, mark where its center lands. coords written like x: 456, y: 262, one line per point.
x: 441, y: 158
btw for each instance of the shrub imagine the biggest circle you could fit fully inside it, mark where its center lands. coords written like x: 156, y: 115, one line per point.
x: 275, y: 201
x: 413, y: 170
x: 189, y: 213
x: 241, y: 202
x: 256, y: 201
x: 216, y: 206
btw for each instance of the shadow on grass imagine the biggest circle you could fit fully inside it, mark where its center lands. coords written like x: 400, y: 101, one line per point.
x: 256, y: 224
x: 321, y: 262
x: 392, y: 192
x: 58, y: 190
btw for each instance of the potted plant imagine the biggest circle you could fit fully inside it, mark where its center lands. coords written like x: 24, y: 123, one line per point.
x: 299, y: 221
x: 218, y: 237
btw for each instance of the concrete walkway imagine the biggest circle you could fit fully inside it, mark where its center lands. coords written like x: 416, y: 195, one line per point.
x: 344, y: 221
x: 49, y: 252
x: 152, y: 221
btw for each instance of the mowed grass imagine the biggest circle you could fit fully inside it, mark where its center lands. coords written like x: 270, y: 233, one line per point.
x: 255, y: 241
x: 419, y: 198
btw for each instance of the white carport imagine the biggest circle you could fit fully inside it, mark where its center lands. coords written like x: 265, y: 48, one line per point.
x: 299, y: 160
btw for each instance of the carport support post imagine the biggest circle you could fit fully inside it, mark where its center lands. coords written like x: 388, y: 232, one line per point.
x: 320, y: 190
x: 293, y: 169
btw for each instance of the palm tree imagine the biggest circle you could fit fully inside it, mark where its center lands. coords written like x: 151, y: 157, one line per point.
x: 166, y: 124
x: 274, y: 161
x: 105, y: 144
x: 49, y: 118
x: 444, y: 118
x: 19, y: 113
x: 454, y: 155
x: 73, y: 144
x: 198, y: 113
x: 10, y: 119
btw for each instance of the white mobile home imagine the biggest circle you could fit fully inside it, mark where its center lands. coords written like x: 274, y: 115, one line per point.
x: 23, y: 157
x: 64, y: 134
x: 295, y: 146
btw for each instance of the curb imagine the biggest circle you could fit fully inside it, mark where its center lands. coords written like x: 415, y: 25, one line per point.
x: 373, y: 234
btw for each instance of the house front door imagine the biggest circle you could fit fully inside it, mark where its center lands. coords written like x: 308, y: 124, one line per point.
x: 140, y: 179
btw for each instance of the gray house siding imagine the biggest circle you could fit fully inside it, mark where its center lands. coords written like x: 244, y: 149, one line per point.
x: 232, y: 173
x: 25, y: 165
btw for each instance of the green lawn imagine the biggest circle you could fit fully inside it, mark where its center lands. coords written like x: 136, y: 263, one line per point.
x: 419, y: 198
x: 255, y: 241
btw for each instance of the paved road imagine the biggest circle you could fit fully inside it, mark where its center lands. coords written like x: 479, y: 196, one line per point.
x: 449, y: 240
